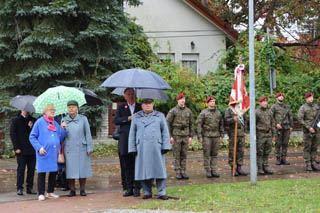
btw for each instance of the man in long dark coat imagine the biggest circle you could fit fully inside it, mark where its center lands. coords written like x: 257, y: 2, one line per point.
x: 19, y: 132
x: 123, y: 117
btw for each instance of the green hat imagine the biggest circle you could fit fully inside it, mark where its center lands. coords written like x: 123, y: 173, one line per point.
x: 73, y: 102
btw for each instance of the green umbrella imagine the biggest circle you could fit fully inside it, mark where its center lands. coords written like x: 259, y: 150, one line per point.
x: 59, y: 96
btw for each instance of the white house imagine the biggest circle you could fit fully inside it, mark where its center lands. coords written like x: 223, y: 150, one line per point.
x: 184, y: 30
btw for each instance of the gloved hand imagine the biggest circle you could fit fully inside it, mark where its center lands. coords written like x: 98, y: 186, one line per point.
x: 164, y: 151
x: 133, y: 153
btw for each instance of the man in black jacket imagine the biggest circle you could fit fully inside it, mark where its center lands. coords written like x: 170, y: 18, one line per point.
x: 123, y: 117
x: 19, y: 131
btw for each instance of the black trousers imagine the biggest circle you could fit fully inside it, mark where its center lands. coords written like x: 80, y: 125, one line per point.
x: 30, y: 162
x: 123, y: 174
x: 42, y: 182
x: 127, y: 163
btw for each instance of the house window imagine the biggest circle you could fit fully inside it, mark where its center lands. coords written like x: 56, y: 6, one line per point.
x: 190, y: 61
x: 166, y: 57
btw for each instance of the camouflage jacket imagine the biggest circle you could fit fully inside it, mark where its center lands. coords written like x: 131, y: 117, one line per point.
x: 278, y: 111
x: 307, y: 114
x: 230, y: 123
x: 265, y: 125
x: 180, y: 121
x: 210, y: 123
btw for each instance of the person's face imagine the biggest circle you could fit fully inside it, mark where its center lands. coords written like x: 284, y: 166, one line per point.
x: 211, y: 103
x: 181, y: 102
x: 264, y: 104
x: 280, y: 99
x: 310, y: 99
x: 147, y: 107
x: 50, y: 113
x: 72, y: 110
x: 25, y: 113
x: 130, y: 96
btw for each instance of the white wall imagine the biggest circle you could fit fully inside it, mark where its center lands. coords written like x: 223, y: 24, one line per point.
x: 176, y: 15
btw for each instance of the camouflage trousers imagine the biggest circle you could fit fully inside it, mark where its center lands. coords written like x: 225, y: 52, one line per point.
x: 264, y: 148
x: 240, y: 150
x: 310, y: 147
x: 179, y: 150
x: 210, y: 153
x: 282, y: 140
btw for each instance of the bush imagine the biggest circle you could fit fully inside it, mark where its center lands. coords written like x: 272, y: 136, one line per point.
x: 101, y: 150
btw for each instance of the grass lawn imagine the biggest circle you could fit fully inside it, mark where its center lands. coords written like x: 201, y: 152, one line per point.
x: 267, y: 196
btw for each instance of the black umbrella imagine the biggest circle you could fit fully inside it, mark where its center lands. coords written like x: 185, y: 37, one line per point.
x: 136, y: 78
x: 91, y: 97
x: 144, y: 93
x: 23, y: 102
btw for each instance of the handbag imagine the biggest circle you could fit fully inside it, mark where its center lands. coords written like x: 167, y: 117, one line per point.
x: 116, y: 133
x: 61, y: 156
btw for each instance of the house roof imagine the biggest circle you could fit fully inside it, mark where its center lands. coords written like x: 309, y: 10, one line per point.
x: 217, y: 21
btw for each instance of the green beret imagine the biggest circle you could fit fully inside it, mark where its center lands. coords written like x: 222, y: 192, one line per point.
x: 73, y: 102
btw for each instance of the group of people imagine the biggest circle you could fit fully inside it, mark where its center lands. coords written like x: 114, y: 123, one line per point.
x: 145, y: 138
x: 37, y: 143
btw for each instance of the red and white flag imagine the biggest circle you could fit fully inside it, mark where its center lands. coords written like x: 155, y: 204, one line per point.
x: 239, y: 99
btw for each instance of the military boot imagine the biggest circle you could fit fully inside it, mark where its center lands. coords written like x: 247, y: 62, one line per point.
x: 241, y: 172
x: 208, y: 174
x: 267, y: 171
x: 178, y: 176
x: 284, y: 161
x: 235, y: 172
x: 260, y: 172
x: 314, y: 167
x: 308, y: 167
x: 215, y: 174
x: 278, y: 162
x: 184, y: 175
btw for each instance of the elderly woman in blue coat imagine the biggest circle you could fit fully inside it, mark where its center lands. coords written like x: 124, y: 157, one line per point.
x: 149, y: 140
x: 45, y: 138
x: 77, y: 148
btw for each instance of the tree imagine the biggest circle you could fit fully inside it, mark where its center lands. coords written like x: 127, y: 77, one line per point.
x: 53, y: 42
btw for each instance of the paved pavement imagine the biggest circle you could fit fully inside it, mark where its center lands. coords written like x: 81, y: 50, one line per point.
x: 104, y: 188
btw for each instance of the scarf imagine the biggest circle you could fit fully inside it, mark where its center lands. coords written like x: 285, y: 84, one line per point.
x: 51, y: 125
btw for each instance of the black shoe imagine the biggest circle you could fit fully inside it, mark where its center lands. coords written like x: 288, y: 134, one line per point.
x: 308, y: 167
x: 241, y: 172
x: 185, y: 176
x: 65, y: 189
x: 215, y: 174
x: 315, y: 168
x: 19, y: 192
x: 285, y: 162
x: 235, y: 172
x: 163, y: 197
x: 72, y: 193
x: 178, y: 176
x: 261, y: 172
x: 317, y: 161
x: 128, y: 193
x: 83, y: 193
x: 31, y: 192
x: 147, y: 196
x: 209, y: 174
x: 136, y: 193
x: 278, y: 162
x: 267, y: 171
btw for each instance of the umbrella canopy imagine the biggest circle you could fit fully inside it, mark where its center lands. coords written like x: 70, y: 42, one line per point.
x: 23, y: 102
x: 136, y: 78
x: 145, y: 93
x: 91, y: 97
x: 59, y: 96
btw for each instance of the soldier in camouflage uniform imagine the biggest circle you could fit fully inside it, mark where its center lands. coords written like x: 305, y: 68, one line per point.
x: 180, y: 124
x: 266, y: 132
x: 230, y: 118
x: 210, y: 134
x: 278, y: 110
x: 306, y: 116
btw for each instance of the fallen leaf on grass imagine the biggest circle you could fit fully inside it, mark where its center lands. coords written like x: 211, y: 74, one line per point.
x: 133, y: 207
x: 4, y: 170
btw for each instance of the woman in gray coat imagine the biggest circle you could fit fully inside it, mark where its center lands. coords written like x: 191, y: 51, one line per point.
x: 77, y: 148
